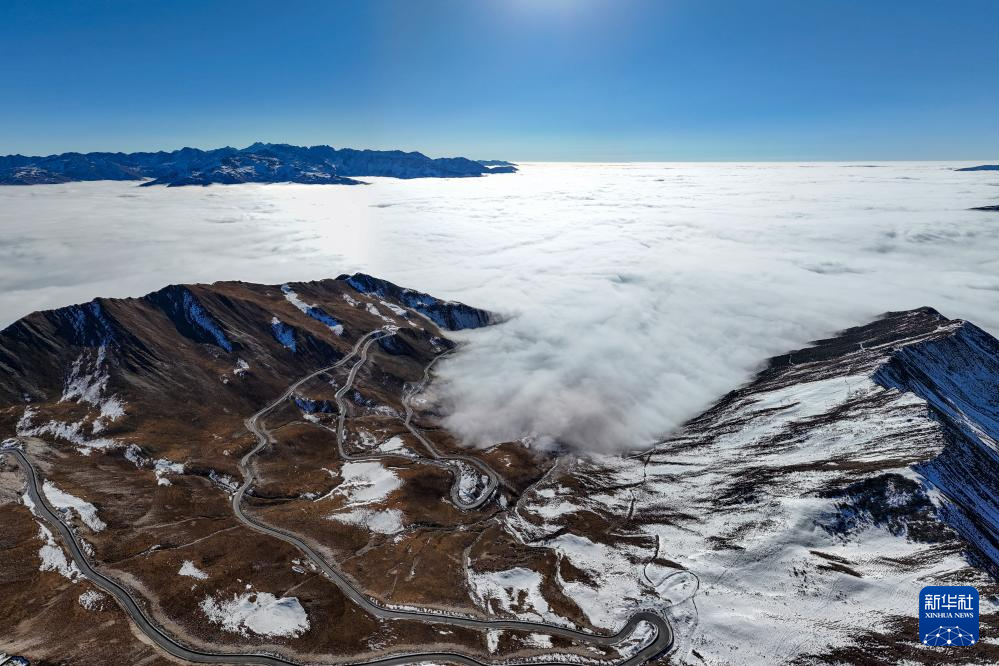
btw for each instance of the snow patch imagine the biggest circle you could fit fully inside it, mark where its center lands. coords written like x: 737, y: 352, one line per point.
x: 71, y: 432
x: 366, y: 482
x: 616, y: 579
x: 492, y: 640
x: 538, y: 640
x: 197, y: 316
x: 86, y: 382
x: 384, y: 521
x: 259, y: 613
x: 53, y: 558
x: 162, y: 467
x: 188, y: 569
x: 87, y: 379
x: 395, y: 308
x: 514, y: 591
x: 313, y: 311
x: 283, y: 333
x: 63, y: 500
x: 92, y: 600
x: 223, y: 481
x: 395, y: 445
x: 373, y: 309
x: 644, y: 634
x: 133, y: 454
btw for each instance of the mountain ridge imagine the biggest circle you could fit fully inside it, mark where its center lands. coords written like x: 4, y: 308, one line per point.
x: 257, y: 163
x: 814, y: 500
x: 199, y: 313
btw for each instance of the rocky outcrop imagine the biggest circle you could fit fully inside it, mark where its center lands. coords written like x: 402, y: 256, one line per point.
x: 449, y: 315
x: 958, y: 377
x: 189, y: 316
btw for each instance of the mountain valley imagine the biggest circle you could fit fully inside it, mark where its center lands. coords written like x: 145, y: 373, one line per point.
x: 244, y: 473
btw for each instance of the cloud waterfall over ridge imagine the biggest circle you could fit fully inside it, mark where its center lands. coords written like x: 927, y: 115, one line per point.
x: 637, y: 294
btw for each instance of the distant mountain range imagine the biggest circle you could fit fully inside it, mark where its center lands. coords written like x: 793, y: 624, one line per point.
x: 259, y: 163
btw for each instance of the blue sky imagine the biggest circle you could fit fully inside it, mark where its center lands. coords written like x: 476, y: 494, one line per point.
x: 522, y: 79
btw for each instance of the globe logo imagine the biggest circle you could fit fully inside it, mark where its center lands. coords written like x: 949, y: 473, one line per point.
x: 949, y: 636
x: 948, y: 615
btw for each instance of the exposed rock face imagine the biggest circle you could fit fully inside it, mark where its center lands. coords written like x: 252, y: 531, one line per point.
x: 958, y: 377
x: 259, y: 163
x: 446, y: 314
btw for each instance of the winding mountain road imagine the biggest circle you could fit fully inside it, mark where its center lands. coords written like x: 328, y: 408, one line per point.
x: 492, y: 479
x: 458, y: 465
x: 662, y: 642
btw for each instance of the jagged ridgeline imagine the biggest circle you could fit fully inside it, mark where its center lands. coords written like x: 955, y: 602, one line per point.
x: 179, y: 341
x: 258, y: 163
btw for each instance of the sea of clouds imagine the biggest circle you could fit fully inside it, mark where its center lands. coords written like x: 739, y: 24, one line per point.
x: 636, y: 294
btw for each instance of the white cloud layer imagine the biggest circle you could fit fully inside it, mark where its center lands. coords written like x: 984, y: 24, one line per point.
x: 637, y: 293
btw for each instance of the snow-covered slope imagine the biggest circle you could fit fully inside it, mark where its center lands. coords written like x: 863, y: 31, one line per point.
x: 797, y: 520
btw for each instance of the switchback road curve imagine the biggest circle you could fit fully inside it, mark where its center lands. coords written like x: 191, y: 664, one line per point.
x: 662, y: 642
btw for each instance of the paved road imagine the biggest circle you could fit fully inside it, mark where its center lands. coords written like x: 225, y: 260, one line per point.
x: 458, y: 465
x: 492, y: 478
x: 662, y: 643
x: 123, y: 596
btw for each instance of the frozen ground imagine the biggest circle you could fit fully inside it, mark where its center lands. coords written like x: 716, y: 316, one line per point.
x: 641, y: 292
